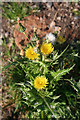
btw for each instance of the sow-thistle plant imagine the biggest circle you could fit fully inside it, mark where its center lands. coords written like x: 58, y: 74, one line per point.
x: 36, y: 80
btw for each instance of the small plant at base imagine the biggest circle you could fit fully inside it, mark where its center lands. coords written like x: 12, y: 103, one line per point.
x: 38, y: 84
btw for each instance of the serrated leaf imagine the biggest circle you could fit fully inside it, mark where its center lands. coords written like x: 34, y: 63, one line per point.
x: 38, y: 103
x: 58, y: 74
x: 53, y: 104
x: 56, y: 97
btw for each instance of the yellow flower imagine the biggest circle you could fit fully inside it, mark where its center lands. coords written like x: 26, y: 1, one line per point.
x: 46, y: 48
x: 29, y: 53
x: 40, y: 82
x: 60, y: 39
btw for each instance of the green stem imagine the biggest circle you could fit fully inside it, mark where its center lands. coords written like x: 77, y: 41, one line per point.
x: 45, y: 102
x: 48, y: 105
x: 28, y: 39
x: 43, y: 57
x: 62, y: 52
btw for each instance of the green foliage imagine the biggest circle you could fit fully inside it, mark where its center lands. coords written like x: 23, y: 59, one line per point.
x: 58, y: 74
x: 58, y: 100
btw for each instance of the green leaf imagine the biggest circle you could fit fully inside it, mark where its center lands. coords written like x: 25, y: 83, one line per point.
x: 38, y: 103
x: 7, y: 66
x: 75, y: 85
x: 13, y: 63
x: 53, y: 104
x: 58, y: 74
x: 56, y: 56
x: 78, y: 84
x: 56, y: 97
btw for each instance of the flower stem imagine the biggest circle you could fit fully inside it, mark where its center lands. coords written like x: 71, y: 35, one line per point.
x: 43, y: 58
x: 28, y: 39
x: 48, y: 105
x: 46, y: 102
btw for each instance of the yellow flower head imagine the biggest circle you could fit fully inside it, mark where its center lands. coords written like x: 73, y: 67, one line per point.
x: 29, y: 53
x: 60, y: 39
x: 46, y: 48
x: 40, y: 82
